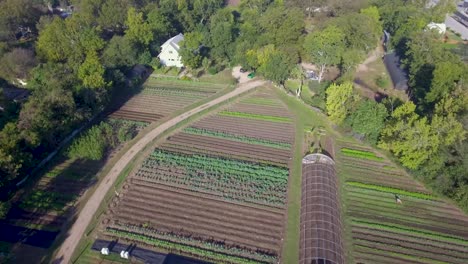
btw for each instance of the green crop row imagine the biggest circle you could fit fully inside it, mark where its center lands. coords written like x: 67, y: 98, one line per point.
x: 211, y: 245
x: 404, y: 229
x: 232, y: 179
x: 238, y: 138
x: 391, y: 190
x: 219, y: 165
x: 360, y: 154
x: 276, y: 119
x: 183, y: 248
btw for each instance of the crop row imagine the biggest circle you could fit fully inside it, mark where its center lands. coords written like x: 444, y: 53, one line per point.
x: 239, y: 138
x: 190, y: 240
x: 125, y: 122
x: 261, y: 101
x: 390, y: 190
x: 391, y: 227
x: 174, y: 92
x: 245, y: 193
x: 171, y: 246
x: 248, y: 170
x: 277, y: 119
x: 234, y: 180
x: 360, y: 154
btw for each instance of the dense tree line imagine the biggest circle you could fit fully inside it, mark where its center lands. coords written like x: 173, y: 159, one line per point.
x: 73, y: 65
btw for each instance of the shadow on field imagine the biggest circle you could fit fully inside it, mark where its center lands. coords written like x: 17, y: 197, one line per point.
x: 45, y: 209
x: 39, y: 216
x: 148, y: 256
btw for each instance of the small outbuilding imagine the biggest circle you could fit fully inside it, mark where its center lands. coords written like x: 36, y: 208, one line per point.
x: 169, y: 55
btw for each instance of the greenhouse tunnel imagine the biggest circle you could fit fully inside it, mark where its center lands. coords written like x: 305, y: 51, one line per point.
x: 321, y: 227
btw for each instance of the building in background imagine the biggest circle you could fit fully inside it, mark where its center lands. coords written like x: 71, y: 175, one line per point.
x: 169, y: 55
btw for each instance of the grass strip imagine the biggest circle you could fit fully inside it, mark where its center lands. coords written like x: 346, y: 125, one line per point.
x: 238, y: 138
x: 391, y: 190
x: 261, y: 101
x: 276, y: 119
x: 360, y: 154
x: 403, y: 229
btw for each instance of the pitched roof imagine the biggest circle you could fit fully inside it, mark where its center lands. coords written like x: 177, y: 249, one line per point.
x: 174, y: 42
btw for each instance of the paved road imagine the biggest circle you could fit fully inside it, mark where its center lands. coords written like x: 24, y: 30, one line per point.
x: 457, y: 27
x: 84, y: 218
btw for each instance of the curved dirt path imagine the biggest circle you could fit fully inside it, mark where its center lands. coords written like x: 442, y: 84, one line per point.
x: 84, y: 218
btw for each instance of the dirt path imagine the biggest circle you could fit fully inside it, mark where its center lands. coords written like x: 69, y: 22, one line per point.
x: 84, y: 218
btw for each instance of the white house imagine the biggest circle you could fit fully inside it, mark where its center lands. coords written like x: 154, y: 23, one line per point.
x: 169, y: 55
x: 440, y: 27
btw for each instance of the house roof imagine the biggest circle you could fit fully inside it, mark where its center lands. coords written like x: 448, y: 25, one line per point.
x: 174, y: 42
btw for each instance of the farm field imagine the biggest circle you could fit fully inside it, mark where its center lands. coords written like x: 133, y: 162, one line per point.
x: 216, y: 190
x: 422, y: 229
x: 39, y: 214
x: 159, y: 98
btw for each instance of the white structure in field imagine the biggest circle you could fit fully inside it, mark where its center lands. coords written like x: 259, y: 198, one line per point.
x: 440, y: 27
x: 124, y: 254
x: 105, y: 251
x: 169, y: 55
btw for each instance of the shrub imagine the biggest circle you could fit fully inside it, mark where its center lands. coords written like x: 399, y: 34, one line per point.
x: 185, y: 78
x: 4, y: 208
x: 382, y: 81
x: 212, y: 70
x: 126, y: 132
x: 93, y: 143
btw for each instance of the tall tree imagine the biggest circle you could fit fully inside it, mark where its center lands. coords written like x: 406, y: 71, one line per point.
x: 91, y: 72
x: 190, y: 49
x: 340, y: 99
x: 369, y: 119
x: 409, y: 137
x: 138, y: 30
x: 325, y: 48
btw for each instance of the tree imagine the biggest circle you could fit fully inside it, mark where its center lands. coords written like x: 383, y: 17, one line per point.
x: 277, y: 67
x: 138, y: 30
x: 12, y: 155
x: 17, y: 64
x: 15, y: 14
x: 446, y: 75
x: 325, y: 48
x: 112, y: 14
x: 92, y: 144
x: 203, y: 9
x: 409, y: 137
x: 68, y: 40
x: 350, y: 59
x: 190, y: 49
x: 47, y: 115
x: 369, y: 119
x: 340, y: 99
x: 160, y: 24
x: 91, y: 72
x: 120, y: 52
x: 282, y: 26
